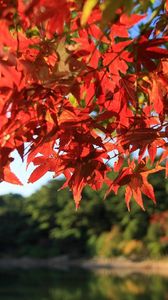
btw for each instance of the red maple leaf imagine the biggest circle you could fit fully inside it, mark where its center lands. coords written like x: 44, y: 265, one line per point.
x: 135, y: 179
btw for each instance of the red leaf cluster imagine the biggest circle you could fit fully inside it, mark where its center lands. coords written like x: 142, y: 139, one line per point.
x: 82, y: 96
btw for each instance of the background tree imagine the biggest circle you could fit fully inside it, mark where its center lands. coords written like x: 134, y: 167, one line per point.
x: 46, y: 224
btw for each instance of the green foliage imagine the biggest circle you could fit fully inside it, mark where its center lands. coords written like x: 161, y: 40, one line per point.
x: 46, y: 224
x: 154, y: 232
x: 107, y: 244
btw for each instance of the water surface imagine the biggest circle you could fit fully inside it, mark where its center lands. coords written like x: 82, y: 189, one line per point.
x: 80, y: 285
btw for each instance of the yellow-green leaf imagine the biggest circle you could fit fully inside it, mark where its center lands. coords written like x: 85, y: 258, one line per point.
x: 72, y: 100
x: 87, y: 9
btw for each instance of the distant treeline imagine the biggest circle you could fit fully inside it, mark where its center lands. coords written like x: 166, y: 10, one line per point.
x: 46, y: 224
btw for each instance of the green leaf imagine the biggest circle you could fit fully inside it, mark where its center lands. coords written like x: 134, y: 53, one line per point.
x: 32, y: 32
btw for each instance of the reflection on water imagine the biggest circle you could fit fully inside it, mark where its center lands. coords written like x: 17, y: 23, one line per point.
x: 80, y: 285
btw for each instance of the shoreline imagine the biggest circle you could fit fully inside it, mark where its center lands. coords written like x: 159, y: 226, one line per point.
x: 120, y: 266
x: 123, y: 266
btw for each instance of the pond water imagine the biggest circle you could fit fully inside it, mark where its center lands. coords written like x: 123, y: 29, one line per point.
x: 80, y: 285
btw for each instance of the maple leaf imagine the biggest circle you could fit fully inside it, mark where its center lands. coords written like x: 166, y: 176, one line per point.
x: 51, y: 163
x: 143, y: 139
x: 138, y: 184
x: 88, y: 169
x: 150, y: 50
x: 135, y: 179
x: 130, y: 20
x: 52, y: 11
x: 10, y: 177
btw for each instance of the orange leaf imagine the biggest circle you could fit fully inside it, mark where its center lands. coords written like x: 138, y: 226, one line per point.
x: 11, y: 177
x: 128, y: 195
x: 38, y: 173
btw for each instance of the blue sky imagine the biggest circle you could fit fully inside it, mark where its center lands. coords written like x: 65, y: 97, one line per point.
x: 19, y: 168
